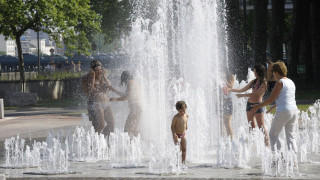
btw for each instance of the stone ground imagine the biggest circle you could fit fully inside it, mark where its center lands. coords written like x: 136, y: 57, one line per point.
x: 35, y: 123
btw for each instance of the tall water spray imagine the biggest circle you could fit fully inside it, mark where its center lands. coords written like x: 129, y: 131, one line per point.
x: 177, y: 51
x: 174, y: 45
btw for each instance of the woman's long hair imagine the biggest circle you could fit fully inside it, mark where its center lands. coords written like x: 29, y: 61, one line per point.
x: 261, y: 72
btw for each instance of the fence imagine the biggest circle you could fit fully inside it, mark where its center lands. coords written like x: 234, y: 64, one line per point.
x: 44, y: 75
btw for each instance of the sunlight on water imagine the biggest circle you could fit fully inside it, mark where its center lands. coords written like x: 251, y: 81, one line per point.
x: 176, y: 54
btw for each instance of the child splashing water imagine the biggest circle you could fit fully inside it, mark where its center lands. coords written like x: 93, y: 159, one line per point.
x: 179, y: 126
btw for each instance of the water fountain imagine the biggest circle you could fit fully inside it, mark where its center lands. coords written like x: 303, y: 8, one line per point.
x: 177, y: 53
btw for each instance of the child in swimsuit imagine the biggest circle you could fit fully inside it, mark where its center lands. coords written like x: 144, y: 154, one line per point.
x: 227, y: 103
x: 179, y: 126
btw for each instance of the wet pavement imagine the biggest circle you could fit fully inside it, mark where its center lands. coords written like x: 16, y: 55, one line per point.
x: 34, y: 123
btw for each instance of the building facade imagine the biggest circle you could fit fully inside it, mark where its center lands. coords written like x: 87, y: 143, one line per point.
x: 7, y: 47
x: 30, y: 45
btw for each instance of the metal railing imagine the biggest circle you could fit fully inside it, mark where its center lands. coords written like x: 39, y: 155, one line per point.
x: 42, y: 75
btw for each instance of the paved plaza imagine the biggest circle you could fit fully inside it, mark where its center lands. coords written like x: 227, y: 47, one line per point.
x: 34, y: 123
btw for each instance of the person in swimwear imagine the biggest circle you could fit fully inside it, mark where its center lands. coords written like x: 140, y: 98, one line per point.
x: 227, y: 103
x: 132, y: 95
x: 95, y: 85
x: 179, y: 126
x: 258, y: 86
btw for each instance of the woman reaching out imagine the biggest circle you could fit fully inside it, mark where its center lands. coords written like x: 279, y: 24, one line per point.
x: 258, y: 86
x: 132, y: 95
x: 287, y: 111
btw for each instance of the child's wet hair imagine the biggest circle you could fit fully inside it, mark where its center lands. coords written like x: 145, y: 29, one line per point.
x: 181, y: 105
x: 125, y: 77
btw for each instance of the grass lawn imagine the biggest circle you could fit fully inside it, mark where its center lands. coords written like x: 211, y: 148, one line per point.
x: 301, y: 107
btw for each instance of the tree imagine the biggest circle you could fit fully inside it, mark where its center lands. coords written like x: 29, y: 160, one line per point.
x: 295, y: 38
x: 298, y: 52
x: 115, y: 17
x: 277, y: 29
x: 260, y: 30
x: 70, y: 21
x: 305, y: 56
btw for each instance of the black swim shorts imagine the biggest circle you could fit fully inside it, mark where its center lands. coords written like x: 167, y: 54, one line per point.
x: 249, y: 104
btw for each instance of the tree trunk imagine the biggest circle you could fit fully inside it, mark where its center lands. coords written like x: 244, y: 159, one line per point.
x: 295, y: 39
x: 260, y: 31
x: 315, y: 40
x: 277, y: 28
x: 20, y: 56
x: 306, y: 79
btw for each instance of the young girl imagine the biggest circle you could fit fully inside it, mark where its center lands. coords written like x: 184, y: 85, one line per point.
x: 132, y: 95
x: 227, y: 103
x: 258, y: 86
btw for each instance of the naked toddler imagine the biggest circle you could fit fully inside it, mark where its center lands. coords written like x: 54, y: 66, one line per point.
x: 179, y: 126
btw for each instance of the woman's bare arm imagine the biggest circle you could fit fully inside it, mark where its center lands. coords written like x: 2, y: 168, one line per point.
x: 119, y: 93
x: 91, y: 81
x: 124, y: 96
x: 260, y: 91
x: 244, y: 89
x: 273, y: 96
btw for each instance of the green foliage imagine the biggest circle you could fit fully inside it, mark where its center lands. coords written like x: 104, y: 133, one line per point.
x: 70, y: 21
x: 115, y: 17
x: 301, y: 107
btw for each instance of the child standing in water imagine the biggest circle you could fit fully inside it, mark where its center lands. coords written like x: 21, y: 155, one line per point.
x: 132, y: 95
x: 179, y: 126
x: 227, y: 103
